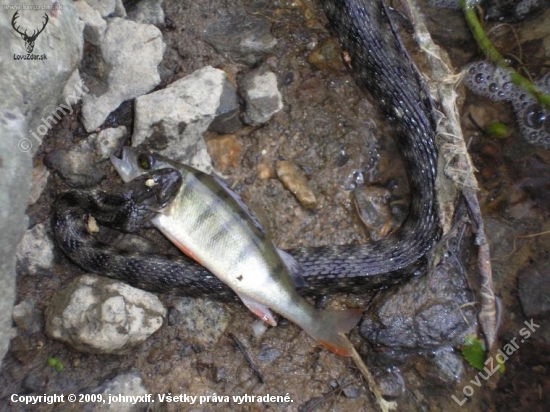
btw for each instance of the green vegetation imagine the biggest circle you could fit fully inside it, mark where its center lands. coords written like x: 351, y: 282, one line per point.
x: 493, y: 55
x: 55, y: 363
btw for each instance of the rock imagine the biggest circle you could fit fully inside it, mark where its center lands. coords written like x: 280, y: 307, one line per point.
x: 327, y: 56
x: 35, y: 93
x: 108, y: 7
x: 172, y: 121
x: 448, y: 367
x: 108, y: 141
x: 147, y: 12
x: 39, y: 178
x: 85, y: 164
x: 35, y: 252
x: 390, y: 382
x: 130, y: 51
x: 261, y: 95
x: 512, y: 11
x: 26, y: 317
x: 72, y: 92
x: 534, y: 291
x: 199, y: 321
x: 351, y: 391
x: 243, y: 38
x: 227, y: 115
x: 128, y: 384
x: 225, y: 150
x: 295, y: 181
x: 372, y: 204
x: 268, y: 355
x: 98, y: 315
x: 428, y: 312
x: 94, y: 24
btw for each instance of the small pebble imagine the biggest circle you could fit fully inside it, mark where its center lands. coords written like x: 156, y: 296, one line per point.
x: 265, y: 171
x: 327, y: 56
x: 295, y: 181
x: 225, y: 151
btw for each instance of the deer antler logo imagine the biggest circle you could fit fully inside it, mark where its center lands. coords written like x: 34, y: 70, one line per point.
x: 29, y: 40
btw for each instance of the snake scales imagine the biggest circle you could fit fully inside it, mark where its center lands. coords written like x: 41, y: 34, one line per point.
x: 381, y: 66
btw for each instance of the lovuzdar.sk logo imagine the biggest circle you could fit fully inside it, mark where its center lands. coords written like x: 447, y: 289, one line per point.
x: 29, y: 39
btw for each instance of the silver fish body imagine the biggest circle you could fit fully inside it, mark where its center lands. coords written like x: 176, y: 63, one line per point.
x: 211, y: 224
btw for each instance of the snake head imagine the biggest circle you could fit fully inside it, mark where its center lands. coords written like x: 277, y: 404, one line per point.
x: 145, y: 197
x: 156, y: 189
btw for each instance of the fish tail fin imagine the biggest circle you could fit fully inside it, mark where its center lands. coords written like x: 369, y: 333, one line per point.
x: 331, y: 329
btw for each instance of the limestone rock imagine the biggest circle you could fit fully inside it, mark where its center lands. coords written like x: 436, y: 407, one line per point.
x: 35, y: 252
x: 261, y: 95
x: 95, y: 25
x: 85, y: 163
x: 98, y: 315
x: 130, y: 51
x: 147, y: 12
x: 172, y: 121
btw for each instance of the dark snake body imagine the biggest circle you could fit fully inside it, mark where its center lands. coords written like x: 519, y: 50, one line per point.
x: 382, y: 67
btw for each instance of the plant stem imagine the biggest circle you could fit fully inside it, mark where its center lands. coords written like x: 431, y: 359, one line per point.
x: 493, y: 55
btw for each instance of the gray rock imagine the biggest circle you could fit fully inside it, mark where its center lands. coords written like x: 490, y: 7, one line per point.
x: 261, y: 95
x: 94, y: 24
x: 243, y: 38
x: 35, y: 252
x: 227, y: 116
x: 26, y: 317
x: 199, y: 321
x: 269, y: 355
x: 108, y: 7
x: 29, y: 95
x: 131, y: 53
x: 128, y: 384
x: 85, y: 164
x: 37, y: 92
x: 74, y: 89
x: 39, y: 177
x: 448, y: 367
x: 98, y: 315
x: 428, y: 312
x: 172, y: 120
x: 534, y: 291
x: 108, y: 141
x: 120, y: 10
x: 147, y: 12
x: 14, y: 188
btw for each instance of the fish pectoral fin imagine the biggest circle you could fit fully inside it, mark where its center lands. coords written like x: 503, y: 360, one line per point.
x: 294, y: 269
x: 259, y: 310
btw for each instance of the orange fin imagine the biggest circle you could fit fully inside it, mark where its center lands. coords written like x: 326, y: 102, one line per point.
x: 333, y: 326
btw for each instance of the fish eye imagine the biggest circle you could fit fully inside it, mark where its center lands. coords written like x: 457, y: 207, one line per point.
x: 146, y: 161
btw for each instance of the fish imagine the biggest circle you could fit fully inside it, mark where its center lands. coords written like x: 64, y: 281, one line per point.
x: 211, y: 224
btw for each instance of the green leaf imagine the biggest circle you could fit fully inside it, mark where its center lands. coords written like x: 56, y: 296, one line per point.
x: 473, y: 351
x: 498, y: 130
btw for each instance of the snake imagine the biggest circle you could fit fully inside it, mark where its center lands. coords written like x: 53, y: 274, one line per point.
x: 382, y: 67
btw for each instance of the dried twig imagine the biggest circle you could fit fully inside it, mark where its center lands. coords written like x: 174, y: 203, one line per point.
x: 457, y: 166
x: 249, y: 360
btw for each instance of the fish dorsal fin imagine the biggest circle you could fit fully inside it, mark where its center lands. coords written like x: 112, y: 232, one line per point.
x: 294, y: 269
x: 230, y: 192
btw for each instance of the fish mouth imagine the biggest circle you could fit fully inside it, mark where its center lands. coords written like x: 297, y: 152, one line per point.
x: 126, y: 166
